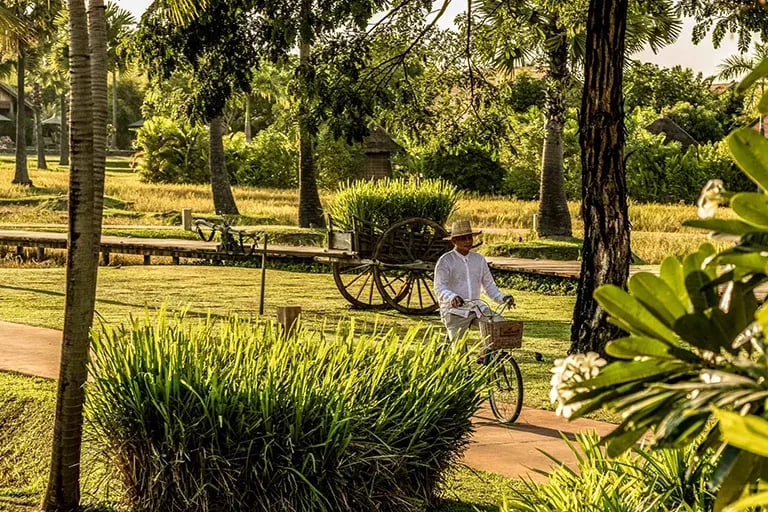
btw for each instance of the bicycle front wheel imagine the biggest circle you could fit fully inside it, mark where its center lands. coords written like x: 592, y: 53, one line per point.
x: 506, y: 395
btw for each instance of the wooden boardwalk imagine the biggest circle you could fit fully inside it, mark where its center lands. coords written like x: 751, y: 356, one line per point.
x: 174, y: 248
x: 197, y: 249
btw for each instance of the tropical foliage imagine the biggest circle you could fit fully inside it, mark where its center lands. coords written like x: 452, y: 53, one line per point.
x: 231, y: 415
x: 636, y: 481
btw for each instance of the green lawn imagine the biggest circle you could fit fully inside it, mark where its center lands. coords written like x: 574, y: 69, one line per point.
x: 35, y: 296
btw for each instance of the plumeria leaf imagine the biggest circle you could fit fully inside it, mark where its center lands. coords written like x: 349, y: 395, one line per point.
x: 632, y: 313
x: 619, y: 443
x: 642, y: 346
x: 752, y: 208
x: 744, y: 262
x: 702, y: 292
x: 623, y: 372
x: 730, y: 226
x: 671, y: 272
x: 750, y: 151
x: 700, y: 331
x: 739, y: 302
x: 749, y: 502
x: 749, y: 433
x: 739, y: 473
x: 760, y: 71
x: 762, y: 105
x: 657, y: 296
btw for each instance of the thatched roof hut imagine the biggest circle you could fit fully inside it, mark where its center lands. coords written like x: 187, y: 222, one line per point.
x: 672, y: 132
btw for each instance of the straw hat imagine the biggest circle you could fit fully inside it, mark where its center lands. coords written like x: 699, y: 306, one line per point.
x: 461, y: 228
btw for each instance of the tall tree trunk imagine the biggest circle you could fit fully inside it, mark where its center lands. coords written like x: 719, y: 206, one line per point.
x: 64, y: 136
x: 223, y: 200
x: 606, y: 252
x: 310, y: 208
x: 21, y: 177
x: 554, y: 217
x: 113, y: 143
x: 97, y: 37
x: 63, y: 492
x: 37, y: 98
x: 248, y: 118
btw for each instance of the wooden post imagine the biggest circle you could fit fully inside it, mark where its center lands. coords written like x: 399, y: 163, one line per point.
x: 20, y: 252
x: 263, y: 275
x: 105, y: 258
x: 40, y: 253
x: 287, y: 317
x: 175, y: 259
x: 186, y: 218
x: 147, y: 259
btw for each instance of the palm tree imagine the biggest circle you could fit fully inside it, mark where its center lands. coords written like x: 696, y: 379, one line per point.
x: 63, y: 492
x: 551, y: 34
x: 120, y: 24
x: 737, y: 66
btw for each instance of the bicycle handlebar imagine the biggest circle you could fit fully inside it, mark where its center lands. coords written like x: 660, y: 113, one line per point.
x: 481, y: 302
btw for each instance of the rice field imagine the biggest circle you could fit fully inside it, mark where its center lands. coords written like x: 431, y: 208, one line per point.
x: 657, y: 229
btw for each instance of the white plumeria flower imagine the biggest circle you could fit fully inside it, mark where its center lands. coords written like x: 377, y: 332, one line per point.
x: 566, y: 374
x: 710, y: 198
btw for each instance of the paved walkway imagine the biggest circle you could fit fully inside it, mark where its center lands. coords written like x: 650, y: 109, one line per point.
x: 511, y: 451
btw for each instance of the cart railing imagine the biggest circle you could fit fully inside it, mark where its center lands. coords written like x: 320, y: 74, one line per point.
x: 361, y: 239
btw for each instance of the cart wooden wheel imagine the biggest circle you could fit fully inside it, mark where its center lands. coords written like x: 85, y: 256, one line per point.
x: 406, y: 254
x: 355, y: 280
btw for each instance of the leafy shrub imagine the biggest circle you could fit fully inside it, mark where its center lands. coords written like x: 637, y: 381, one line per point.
x: 471, y: 169
x: 663, y: 173
x: 383, y: 202
x: 634, y: 482
x: 172, y: 152
x: 234, y: 416
x: 336, y: 161
x: 270, y: 160
x: 700, y: 121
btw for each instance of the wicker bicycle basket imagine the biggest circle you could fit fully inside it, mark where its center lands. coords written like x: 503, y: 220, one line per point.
x: 501, y: 333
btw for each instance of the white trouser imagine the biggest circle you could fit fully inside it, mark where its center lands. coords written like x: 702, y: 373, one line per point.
x: 457, y: 325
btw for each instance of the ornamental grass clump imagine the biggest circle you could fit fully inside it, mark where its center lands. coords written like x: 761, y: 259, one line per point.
x: 386, y: 201
x: 229, y: 415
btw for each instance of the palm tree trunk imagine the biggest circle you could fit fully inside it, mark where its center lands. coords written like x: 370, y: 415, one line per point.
x: 97, y: 34
x: 223, y: 200
x: 606, y: 252
x: 63, y: 492
x: 113, y: 143
x: 39, y: 139
x: 21, y: 177
x: 554, y: 217
x: 64, y: 136
x: 310, y: 208
x: 247, y: 127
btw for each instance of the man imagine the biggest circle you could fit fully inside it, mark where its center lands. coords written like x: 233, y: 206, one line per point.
x: 460, y: 276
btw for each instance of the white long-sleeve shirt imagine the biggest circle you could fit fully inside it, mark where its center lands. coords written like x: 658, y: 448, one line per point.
x: 463, y: 276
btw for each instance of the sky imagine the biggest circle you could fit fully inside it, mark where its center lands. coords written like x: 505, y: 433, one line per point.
x: 701, y: 58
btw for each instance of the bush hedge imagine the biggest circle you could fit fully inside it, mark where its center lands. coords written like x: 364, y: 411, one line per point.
x: 204, y: 415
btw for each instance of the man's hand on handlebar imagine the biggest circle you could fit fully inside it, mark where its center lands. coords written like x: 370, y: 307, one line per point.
x: 457, y: 302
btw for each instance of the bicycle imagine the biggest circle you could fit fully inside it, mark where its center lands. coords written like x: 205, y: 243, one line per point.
x: 500, y: 336
x: 231, y: 239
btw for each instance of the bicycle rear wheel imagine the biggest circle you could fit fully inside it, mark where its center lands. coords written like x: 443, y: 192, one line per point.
x: 506, y: 395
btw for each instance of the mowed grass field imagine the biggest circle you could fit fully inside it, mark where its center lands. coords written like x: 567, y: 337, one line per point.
x: 657, y: 230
